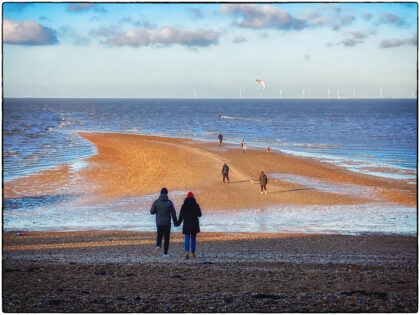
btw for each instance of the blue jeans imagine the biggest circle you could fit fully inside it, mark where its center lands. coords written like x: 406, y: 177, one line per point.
x: 193, y: 242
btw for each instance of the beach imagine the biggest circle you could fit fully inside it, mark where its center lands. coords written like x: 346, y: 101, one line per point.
x: 98, y: 271
x: 129, y: 165
x: 116, y: 271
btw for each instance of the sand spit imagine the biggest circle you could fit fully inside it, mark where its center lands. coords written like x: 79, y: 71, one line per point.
x: 129, y: 165
x: 241, y: 272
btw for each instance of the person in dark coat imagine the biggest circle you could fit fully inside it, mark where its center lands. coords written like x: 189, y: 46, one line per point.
x: 263, y: 182
x: 164, y: 209
x: 220, y: 137
x: 225, y: 172
x: 190, y: 212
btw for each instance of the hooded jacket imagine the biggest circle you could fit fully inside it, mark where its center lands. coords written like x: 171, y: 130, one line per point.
x: 164, y: 209
x: 190, y: 212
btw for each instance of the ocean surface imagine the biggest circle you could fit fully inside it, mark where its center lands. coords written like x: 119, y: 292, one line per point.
x: 371, y: 136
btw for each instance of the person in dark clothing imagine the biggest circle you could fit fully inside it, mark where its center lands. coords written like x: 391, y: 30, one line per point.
x: 225, y: 172
x: 164, y: 209
x: 190, y: 212
x: 220, y: 137
x: 263, y: 182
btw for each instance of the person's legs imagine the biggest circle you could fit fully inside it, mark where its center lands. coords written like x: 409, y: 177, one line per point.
x: 159, y: 236
x: 224, y: 176
x: 193, y: 242
x: 227, y: 177
x: 166, y: 235
x: 265, y: 188
x: 262, y: 187
x: 187, y: 242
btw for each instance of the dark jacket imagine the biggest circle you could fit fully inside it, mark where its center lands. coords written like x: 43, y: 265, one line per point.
x: 263, y: 179
x: 190, y: 212
x: 164, y: 209
x: 225, y: 169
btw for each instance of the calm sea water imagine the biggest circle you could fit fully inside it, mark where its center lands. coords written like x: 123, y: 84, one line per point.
x: 375, y: 136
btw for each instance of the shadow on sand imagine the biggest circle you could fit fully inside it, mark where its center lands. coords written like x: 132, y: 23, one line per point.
x: 290, y: 190
x: 240, y: 181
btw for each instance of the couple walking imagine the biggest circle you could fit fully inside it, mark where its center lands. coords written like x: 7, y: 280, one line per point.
x: 164, y: 209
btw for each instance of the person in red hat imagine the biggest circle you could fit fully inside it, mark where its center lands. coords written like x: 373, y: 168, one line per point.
x: 190, y: 212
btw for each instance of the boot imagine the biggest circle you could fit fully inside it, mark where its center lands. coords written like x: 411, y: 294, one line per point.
x: 187, y: 255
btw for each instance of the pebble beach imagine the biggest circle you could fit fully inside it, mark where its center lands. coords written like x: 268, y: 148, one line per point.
x: 99, y: 271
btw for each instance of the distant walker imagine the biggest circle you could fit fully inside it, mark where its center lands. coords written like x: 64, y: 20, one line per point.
x: 263, y: 182
x: 220, y: 137
x: 225, y: 172
x: 243, y: 145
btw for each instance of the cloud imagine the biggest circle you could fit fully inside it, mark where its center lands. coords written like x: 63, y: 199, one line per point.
x: 327, y: 15
x: 196, y: 13
x: 367, y: 16
x: 78, y: 7
x: 263, y: 16
x: 398, y: 42
x: 391, y: 18
x: 354, y: 39
x: 350, y: 42
x: 239, y: 39
x: 164, y: 36
x: 27, y: 33
x: 306, y: 57
x: 347, y: 20
x: 105, y: 31
x: 358, y: 35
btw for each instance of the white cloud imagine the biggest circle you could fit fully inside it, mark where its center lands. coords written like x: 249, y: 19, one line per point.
x: 328, y: 15
x: 263, y: 16
x: 27, y: 33
x: 164, y: 36
x: 391, y: 18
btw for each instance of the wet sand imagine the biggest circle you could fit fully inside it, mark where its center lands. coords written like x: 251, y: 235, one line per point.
x: 98, y: 271
x: 131, y: 165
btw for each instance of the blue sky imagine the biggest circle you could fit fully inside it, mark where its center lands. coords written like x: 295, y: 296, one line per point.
x: 172, y: 50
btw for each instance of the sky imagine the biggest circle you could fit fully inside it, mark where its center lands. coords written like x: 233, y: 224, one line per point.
x: 209, y: 50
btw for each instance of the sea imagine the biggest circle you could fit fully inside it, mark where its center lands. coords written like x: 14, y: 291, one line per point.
x: 369, y: 136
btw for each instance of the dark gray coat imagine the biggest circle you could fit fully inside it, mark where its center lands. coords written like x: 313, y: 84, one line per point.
x: 164, y: 209
x: 190, y: 212
x: 263, y: 179
x: 225, y: 169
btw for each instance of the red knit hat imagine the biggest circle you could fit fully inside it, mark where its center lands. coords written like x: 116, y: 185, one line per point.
x: 190, y: 195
